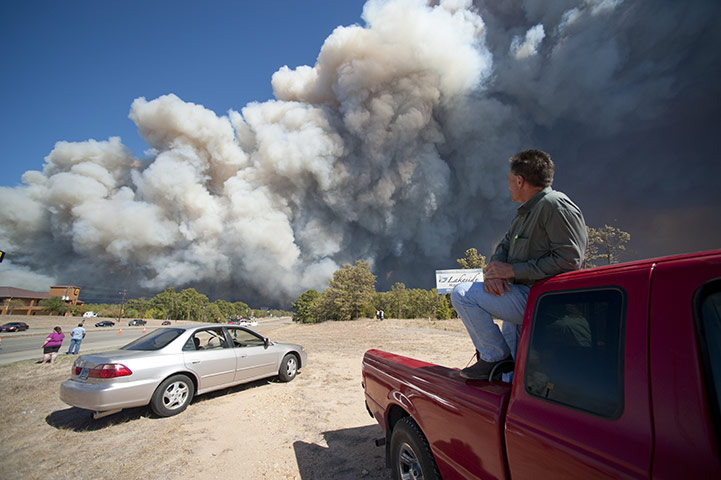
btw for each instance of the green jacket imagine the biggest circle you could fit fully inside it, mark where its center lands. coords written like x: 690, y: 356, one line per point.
x: 547, y: 237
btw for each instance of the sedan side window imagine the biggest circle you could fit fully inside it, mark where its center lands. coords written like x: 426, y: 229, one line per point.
x: 243, y: 338
x: 209, y: 339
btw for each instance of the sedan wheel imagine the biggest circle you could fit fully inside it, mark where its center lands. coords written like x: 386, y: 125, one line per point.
x: 288, y: 368
x: 172, y: 396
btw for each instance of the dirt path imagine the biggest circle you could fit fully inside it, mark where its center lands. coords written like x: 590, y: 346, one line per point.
x: 315, y: 427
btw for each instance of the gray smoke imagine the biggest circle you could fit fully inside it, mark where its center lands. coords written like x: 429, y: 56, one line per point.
x: 392, y: 148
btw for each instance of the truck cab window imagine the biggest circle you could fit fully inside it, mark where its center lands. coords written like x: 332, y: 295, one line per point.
x: 575, y: 356
x: 709, y: 326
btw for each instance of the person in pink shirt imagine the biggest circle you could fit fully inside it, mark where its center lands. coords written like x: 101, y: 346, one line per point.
x: 52, y: 344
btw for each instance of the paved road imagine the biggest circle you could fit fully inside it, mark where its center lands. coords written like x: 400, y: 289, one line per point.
x: 27, y: 346
x: 17, y: 346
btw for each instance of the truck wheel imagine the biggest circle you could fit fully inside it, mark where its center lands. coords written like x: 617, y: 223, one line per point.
x: 411, y: 457
x: 288, y: 368
x: 172, y: 396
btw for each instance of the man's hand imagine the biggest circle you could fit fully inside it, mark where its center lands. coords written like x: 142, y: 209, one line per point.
x: 496, y: 286
x: 497, y: 269
x: 495, y: 278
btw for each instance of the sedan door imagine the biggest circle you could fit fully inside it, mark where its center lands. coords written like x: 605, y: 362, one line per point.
x: 208, y: 354
x: 253, y: 358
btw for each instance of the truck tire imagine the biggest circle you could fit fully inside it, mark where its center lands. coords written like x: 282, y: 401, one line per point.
x: 411, y: 457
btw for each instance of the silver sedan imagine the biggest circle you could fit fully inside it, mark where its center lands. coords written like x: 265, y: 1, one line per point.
x: 167, y: 367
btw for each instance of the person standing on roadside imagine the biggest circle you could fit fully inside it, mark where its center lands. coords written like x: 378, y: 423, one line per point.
x: 547, y: 237
x: 52, y: 344
x: 76, y: 337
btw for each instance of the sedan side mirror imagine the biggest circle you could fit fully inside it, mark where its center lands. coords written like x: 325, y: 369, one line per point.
x: 266, y: 342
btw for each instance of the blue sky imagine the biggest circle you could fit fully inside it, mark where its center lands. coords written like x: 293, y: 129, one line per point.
x: 72, y: 69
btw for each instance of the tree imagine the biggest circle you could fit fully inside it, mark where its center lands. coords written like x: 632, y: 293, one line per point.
x: 213, y: 314
x: 302, y: 307
x: 421, y: 303
x: 192, y: 304
x: 225, y: 308
x: 324, y: 307
x: 155, y: 313
x: 444, y: 310
x: 605, y: 244
x: 242, y: 309
x: 54, y: 305
x: 400, y: 298
x: 168, y: 302
x: 348, y: 293
x: 356, y: 285
x: 472, y: 259
x: 402, y: 302
x: 137, y: 307
x: 381, y: 301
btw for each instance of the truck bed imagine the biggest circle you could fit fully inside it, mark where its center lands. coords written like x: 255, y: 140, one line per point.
x: 444, y: 404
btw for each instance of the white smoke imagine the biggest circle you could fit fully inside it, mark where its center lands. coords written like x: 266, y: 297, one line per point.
x: 343, y: 165
x: 392, y: 148
x: 525, y: 47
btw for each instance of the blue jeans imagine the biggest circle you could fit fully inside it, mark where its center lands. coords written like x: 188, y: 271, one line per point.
x: 477, y: 308
x: 74, y: 345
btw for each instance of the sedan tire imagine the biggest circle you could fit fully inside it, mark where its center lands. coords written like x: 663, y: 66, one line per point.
x: 288, y: 368
x: 172, y: 396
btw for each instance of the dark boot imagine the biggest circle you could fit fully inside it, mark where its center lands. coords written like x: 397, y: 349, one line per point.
x: 481, y: 370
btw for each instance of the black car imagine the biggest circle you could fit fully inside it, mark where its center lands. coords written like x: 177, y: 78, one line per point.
x: 14, y: 327
x: 137, y: 321
x: 105, y: 323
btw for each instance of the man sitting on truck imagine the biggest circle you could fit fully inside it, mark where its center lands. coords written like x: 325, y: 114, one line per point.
x: 547, y: 237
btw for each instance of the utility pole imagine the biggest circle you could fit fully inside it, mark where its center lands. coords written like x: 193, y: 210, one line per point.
x: 122, y: 304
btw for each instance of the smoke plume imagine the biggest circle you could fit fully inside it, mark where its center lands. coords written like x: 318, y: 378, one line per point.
x: 392, y: 148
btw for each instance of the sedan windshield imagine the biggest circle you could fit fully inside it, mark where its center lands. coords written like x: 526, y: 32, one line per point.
x: 154, y: 340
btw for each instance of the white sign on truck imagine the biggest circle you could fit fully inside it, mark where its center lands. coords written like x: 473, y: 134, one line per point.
x: 447, y: 279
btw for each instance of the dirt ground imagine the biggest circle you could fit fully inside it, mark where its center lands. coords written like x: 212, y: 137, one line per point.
x: 315, y: 427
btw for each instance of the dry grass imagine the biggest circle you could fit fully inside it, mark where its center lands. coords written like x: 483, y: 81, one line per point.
x: 315, y: 427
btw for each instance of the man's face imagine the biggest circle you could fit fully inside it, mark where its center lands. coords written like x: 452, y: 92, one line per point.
x: 514, y: 185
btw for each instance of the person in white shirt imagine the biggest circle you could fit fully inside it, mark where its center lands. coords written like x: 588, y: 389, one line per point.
x: 76, y: 336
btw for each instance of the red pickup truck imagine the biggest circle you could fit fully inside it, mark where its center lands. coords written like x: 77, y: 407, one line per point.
x: 617, y: 375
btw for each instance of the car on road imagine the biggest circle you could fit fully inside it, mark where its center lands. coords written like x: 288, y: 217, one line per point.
x: 105, y: 323
x: 14, y: 327
x: 165, y: 322
x: 167, y: 367
x: 136, y: 322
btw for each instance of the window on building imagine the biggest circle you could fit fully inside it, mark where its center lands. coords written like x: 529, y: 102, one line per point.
x: 575, y: 356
